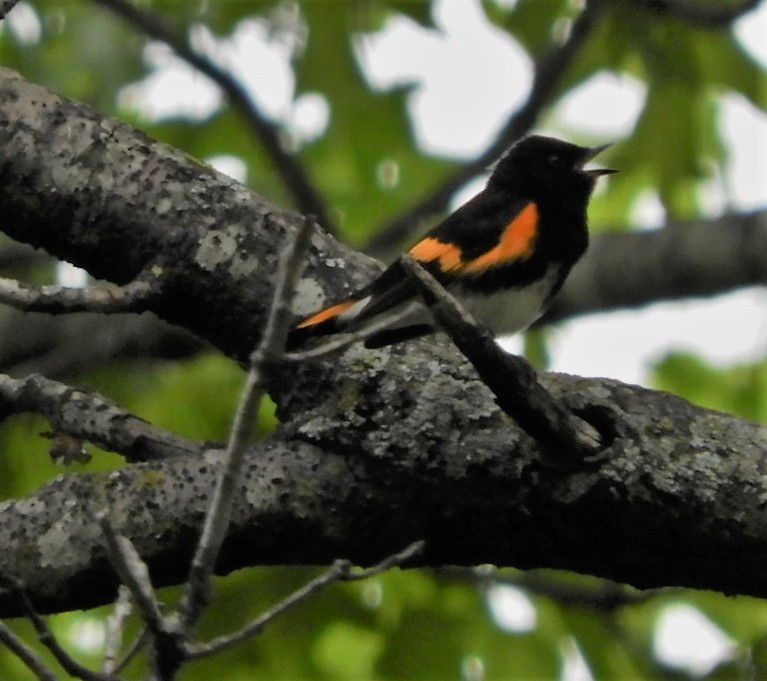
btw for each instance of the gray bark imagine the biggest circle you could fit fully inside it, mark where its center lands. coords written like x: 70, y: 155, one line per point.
x: 376, y: 448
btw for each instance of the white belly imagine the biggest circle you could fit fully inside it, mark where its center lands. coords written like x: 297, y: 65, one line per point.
x: 506, y: 312
x: 514, y: 309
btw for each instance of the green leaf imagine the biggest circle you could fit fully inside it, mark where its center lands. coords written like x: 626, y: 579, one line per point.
x: 740, y: 389
x: 85, y: 53
x: 366, y: 164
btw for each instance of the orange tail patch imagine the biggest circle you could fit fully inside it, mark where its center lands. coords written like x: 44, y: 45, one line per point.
x: 326, y: 314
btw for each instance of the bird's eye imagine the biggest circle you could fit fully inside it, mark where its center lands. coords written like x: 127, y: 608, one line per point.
x: 556, y: 161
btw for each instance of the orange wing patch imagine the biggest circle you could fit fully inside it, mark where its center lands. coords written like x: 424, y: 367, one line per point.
x: 517, y: 242
x: 447, y: 255
x: 327, y: 313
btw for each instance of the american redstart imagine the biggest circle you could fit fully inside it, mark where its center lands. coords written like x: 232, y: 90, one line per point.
x: 504, y: 254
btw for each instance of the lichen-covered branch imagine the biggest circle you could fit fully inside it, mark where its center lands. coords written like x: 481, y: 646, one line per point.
x: 216, y: 242
x: 679, y: 499
x: 89, y: 416
x: 376, y: 448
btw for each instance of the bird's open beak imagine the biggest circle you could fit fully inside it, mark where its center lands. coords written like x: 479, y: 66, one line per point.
x: 591, y: 153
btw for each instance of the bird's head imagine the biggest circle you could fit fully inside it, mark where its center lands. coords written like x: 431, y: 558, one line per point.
x: 538, y: 165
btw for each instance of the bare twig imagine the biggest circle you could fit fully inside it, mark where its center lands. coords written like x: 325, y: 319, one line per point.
x: 340, y: 571
x: 704, y: 14
x: 547, y: 76
x: 134, y: 297
x: 6, y: 6
x: 115, y: 625
x: 512, y: 380
x: 134, y: 574
x: 25, y: 654
x: 92, y: 417
x: 217, y: 519
x: 46, y: 637
x: 305, y: 196
x: 601, y: 595
x: 138, y: 643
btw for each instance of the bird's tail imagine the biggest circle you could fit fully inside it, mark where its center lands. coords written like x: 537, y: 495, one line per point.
x: 353, y: 315
x: 325, y: 322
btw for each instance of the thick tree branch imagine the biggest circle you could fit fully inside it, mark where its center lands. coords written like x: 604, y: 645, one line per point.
x: 684, y: 259
x: 377, y: 448
x: 217, y: 245
x: 678, y: 501
x: 107, y: 185
x: 54, y: 346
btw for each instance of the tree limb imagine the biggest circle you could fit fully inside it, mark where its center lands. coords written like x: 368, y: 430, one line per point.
x: 217, y: 246
x: 89, y: 416
x: 57, y: 299
x: 377, y: 448
x: 679, y: 499
x: 684, y: 259
x: 196, y: 230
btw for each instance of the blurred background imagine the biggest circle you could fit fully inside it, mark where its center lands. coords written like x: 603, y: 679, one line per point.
x: 379, y: 117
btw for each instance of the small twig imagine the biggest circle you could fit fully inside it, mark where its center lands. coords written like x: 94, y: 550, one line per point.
x: 6, y: 6
x: 138, y: 643
x: 548, y: 73
x: 340, y: 571
x: 90, y: 416
x: 115, y: 624
x: 218, y: 516
x: 604, y: 596
x: 396, y: 559
x: 25, y: 654
x: 306, y: 197
x: 134, y: 574
x: 512, y: 380
x: 46, y: 637
x: 133, y: 297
